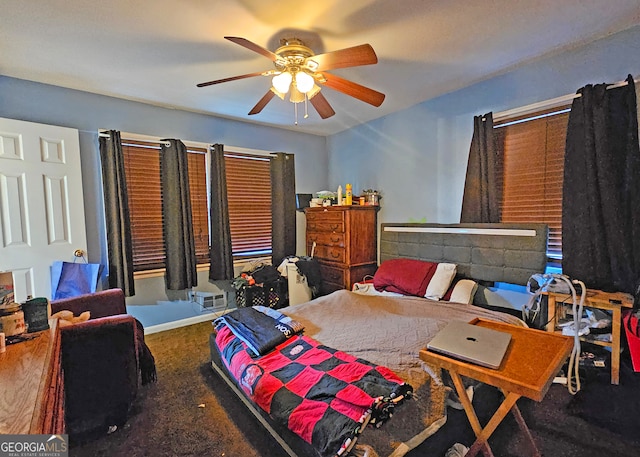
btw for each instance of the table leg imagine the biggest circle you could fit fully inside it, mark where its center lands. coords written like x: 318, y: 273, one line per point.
x: 616, y: 320
x: 479, y: 444
x: 483, y: 434
x: 523, y: 426
x: 551, y: 313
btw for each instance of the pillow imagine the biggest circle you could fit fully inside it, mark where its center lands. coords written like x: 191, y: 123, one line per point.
x: 462, y: 291
x: 441, y: 280
x: 405, y: 276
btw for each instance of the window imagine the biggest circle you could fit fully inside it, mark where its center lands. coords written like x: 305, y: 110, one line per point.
x: 249, y: 194
x: 142, y: 170
x: 533, y: 170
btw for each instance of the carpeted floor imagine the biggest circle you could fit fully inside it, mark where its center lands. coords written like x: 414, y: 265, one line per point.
x: 191, y: 412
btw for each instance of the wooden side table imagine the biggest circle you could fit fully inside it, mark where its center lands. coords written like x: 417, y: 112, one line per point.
x: 613, y: 302
x: 528, y: 368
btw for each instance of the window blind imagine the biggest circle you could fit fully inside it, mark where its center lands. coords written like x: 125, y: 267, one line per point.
x: 532, y: 177
x: 249, y: 196
x: 142, y: 170
x: 197, y: 167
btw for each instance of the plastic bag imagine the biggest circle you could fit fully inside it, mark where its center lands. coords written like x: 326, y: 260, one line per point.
x: 70, y: 279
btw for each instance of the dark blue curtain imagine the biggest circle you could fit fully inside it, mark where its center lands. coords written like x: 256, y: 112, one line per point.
x: 180, y: 249
x: 283, y: 207
x: 482, y: 194
x: 116, y: 206
x: 220, y: 252
x: 601, y: 192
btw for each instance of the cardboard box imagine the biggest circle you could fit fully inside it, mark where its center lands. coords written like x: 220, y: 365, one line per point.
x: 6, y: 289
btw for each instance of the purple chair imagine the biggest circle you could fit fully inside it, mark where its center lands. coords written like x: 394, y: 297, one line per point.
x: 104, y: 360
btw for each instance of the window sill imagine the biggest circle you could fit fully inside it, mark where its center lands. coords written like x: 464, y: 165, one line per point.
x: 160, y: 272
x: 238, y: 266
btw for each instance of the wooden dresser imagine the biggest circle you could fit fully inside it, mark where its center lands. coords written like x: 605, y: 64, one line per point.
x: 32, y: 393
x: 346, y: 243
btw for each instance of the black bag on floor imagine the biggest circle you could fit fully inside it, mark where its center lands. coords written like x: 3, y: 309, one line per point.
x: 265, y: 274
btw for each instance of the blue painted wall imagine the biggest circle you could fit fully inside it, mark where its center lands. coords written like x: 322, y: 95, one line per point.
x: 417, y: 157
x: 34, y: 102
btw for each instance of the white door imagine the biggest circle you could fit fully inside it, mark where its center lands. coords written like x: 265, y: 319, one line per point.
x: 41, y: 204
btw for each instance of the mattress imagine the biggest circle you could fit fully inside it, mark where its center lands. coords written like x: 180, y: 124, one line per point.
x: 390, y: 331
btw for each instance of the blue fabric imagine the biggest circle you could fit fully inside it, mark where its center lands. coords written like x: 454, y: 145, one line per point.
x: 70, y: 279
x: 259, y: 327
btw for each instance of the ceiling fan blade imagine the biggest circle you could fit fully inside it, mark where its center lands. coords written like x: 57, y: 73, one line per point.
x: 348, y: 57
x: 253, y: 47
x: 262, y: 103
x: 373, y: 97
x: 233, y: 78
x: 322, y: 106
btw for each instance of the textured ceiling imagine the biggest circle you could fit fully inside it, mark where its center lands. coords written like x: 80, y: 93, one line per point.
x: 156, y: 51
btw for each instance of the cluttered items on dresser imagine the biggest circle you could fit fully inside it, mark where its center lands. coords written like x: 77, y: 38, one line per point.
x: 21, y: 321
x: 368, y: 197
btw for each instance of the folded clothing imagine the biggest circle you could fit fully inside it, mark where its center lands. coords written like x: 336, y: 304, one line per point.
x: 259, y: 327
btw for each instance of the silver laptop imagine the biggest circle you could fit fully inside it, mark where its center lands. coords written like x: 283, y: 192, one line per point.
x: 471, y: 343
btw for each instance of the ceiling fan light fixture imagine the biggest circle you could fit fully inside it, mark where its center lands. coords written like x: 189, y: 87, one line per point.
x: 277, y: 92
x: 282, y: 82
x: 304, y: 82
x: 296, y: 96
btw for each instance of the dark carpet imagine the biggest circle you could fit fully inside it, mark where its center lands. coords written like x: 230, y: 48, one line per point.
x: 191, y: 412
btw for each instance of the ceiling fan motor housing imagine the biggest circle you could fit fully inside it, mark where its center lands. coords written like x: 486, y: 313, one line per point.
x: 293, y: 53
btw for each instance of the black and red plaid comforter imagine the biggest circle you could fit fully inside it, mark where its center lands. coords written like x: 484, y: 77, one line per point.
x: 323, y: 395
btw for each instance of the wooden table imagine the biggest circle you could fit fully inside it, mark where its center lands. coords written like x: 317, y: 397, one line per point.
x: 613, y: 302
x: 32, y: 393
x: 528, y: 368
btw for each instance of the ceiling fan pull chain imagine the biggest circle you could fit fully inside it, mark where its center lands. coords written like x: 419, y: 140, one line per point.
x: 306, y: 100
x: 295, y: 110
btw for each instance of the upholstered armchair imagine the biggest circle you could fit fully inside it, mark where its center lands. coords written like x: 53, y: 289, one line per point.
x: 104, y: 360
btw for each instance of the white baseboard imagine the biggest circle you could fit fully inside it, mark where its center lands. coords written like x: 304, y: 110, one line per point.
x: 183, y: 322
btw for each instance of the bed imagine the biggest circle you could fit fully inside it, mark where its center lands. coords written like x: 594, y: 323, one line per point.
x: 388, y: 321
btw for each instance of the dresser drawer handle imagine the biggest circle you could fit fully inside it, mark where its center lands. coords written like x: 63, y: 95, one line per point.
x: 334, y: 276
x: 335, y: 255
x: 312, y: 226
x: 335, y: 239
x: 313, y: 238
x: 335, y: 226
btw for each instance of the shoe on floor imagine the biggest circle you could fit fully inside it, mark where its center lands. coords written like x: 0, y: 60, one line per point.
x: 457, y: 450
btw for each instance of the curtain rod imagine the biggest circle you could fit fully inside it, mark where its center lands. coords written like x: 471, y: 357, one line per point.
x: 152, y: 139
x: 193, y: 144
x: 548, y: 104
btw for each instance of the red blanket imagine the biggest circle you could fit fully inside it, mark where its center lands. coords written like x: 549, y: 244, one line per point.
x: 325, y: 396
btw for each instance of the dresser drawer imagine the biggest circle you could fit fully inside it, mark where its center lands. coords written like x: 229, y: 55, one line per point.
x: 326, y: 238
x: 325, y: 221
x: 330, y: 253
x: 326, y: 226
x: 332, y: 275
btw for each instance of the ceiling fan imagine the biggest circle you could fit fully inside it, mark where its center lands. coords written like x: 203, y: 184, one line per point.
x: 301, y: 73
